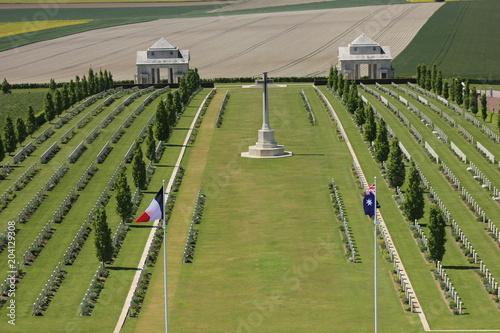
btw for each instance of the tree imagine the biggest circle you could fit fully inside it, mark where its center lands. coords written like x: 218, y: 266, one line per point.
x: 102, y: 236
x: 21, y: 130
x: 419, y: 73
x: 453, y: 90
x: 52, y: 85
x: 484, y: 106
x: 31, y: 124
x: 434, y: 78
x: 423, y: 76
x: 498, y: 119
x: 172, y: 114
x: 9, y: 135
x: 340, y: 85
x: 85, y: 87
x: 123, y: 194
x: 413, y: 206
x: 2, y: 149
x: 49, y: 108
x: 473, y: 101
x: 459, y: 97
x: 396, y: 171
x: 437, y: 234
x: 439, y: 83
x: 335, y: 79
x: 109, y: 79
x: 381, y: 144
x: 352, y: 98
x: 58, y: 102
x: 66, y: 96
x: 139, y: 168
x: 345, y: 92
x: 151, y: 145
x: 91, y: 82
x: 330, y: 78
x: 73, y: 92
x: 428, y: 79
x: 446, y: 90
x: 177, y: 106
x: 162, y: 124
x: 370, y: 124
x: 6, y: 87
x: 360, y: 116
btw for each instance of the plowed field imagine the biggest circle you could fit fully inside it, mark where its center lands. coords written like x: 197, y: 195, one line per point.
x: 283, y: 44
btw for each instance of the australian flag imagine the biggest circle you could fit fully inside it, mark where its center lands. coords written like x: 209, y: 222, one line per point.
x: 369, y: 203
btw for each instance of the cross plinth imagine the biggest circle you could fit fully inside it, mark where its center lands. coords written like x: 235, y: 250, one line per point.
x: 266, y: 146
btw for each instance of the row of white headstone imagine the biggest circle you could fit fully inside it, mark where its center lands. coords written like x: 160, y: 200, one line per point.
x: 22, y: 180
x: 489, y: 276
x: 495, y: 138
x: 193, y: 231
x: 45, y: 291
x: 449, y: 119
x: 81, y: 184
x: 37, y: 241
x: 472, y: 119
x: 42, y: 137
x: 441, y: 205
x: 486, y: 152
x: 470, y: 200
x: 421, y: 232
x: 450, y: 175
x: 24, y: 152
x: 93, y: 134
x: 77, y: 152
x: 31, y: 206
x: 417, y: 134
x: 302, y: 94
x: 56, y: 177
x: 463, y: 239
x: 49, y: 153
x: 103, y: 153
x: 70, y: 133
x: 450, y: 289
x: 479, y: 175
x: 67, y: 257
x: 61, y: 211
x: 347, y: 232
x: 440, y: 134
x: 431, y: 151
x: 86, y: 298
x: 466, y: 133
x: 64, y: 119
x: 458, y: 151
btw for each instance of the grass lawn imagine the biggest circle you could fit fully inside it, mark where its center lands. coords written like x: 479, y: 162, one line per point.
x: 269, y: 255
x: 269, y: 249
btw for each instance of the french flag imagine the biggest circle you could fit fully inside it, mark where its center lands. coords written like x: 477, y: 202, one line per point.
x: 154, y: 210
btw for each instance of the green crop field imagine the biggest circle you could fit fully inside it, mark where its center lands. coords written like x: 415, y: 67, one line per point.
x: 461, y: 38
x: 16, y: 103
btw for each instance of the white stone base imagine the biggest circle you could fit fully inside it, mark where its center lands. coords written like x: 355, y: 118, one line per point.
x: 259, y: 152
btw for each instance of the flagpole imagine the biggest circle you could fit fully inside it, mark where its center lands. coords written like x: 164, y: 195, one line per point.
x: 165, y: 287
x: 375, y: 259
